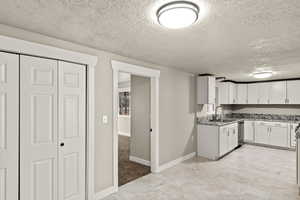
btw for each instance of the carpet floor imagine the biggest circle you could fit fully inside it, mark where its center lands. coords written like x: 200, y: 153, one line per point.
x: 128, y: 170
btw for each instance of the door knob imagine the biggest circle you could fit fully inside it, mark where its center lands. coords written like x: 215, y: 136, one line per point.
x: 62, y: 144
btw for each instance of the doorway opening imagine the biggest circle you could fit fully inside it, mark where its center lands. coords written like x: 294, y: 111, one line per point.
x: 136, y: 106
x: 133, y: 127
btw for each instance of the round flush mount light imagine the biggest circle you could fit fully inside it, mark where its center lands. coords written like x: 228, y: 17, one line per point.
x: 178, y: 14
x: 262, y: 74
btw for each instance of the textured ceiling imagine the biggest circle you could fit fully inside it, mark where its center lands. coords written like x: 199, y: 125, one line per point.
x: 232, y: 38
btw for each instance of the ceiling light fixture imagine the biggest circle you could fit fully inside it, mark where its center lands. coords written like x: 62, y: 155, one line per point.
x: 262, y: 74
x: 178, y: 14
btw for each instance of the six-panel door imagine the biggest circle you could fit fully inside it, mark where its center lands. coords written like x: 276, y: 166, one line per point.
x: 72, y: 125
x: 9, y: 127
x: 39, y: 130
x: 52, y: 133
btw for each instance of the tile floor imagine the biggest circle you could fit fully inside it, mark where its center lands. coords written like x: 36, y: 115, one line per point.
x: 248, y: 173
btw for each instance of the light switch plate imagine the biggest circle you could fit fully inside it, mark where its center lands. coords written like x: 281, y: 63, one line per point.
x: 104, y: 119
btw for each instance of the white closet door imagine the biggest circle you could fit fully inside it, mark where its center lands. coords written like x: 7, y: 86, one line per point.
x: 9, y: 127
x: 72, y: 131
x: 38, y: 133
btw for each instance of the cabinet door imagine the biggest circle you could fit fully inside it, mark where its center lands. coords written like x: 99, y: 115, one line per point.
x: 278, y: 92
x: 211, y: 90
x: 39, y: 130
x: 293, y: 94
x: 252, y: 93
x: 72, y: 134
x: 249, y: 131
x: 232, y: 93
x: 242, y: 90
x: 206, y: 90
x: 279, y: 135
x: 261, y: 133
x: 9, y: 126
x: 264, y: 93
x: 223, y: 141
x: 224, y: 93
x: 233, y: 137
x: 293, y: 135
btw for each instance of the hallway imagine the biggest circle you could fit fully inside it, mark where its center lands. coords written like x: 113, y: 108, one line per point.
x: 128, y: 170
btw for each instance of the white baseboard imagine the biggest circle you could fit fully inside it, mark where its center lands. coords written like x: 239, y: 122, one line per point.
x: 139, y: 160
x: 106, y: 192
x: 175, y: 162
x: 124, y: 133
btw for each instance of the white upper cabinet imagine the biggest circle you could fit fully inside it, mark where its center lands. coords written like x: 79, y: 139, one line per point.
x: 277, y: 92
x: 292, y: 93
x: 232, y: 93
x: 242, y: 93
x: 253, y: 93
x: 223, y: 88
x: 263, y: 93
x: 206, y: 90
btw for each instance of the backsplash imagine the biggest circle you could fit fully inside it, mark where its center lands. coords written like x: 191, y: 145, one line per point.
x: 263, y: 116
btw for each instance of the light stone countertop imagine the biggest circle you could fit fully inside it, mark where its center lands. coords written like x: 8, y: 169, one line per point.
x: 227, y: 121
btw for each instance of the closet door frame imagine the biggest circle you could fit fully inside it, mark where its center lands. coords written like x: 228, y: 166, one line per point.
x: 22, y: 47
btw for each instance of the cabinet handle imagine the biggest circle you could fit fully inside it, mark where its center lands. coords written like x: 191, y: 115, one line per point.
x: 62, y: 144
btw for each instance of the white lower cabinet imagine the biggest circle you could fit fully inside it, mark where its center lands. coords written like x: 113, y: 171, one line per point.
x: 228, y: 138
x: 223, y: 140
x: 261, y: 133
x: 216, y: 141
x: 249, y: 131
x: 279, y: 135
x: 271, y: 133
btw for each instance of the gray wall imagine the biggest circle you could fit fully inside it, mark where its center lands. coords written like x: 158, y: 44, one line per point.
x: 140, y: 117
x: 177, y: 106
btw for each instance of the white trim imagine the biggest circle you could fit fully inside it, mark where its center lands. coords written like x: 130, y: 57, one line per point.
x: 30, y: 48
x: 105, y: 193
x: 91, y: 134
x: 124, y: 89
x: 139, y: 160
x: 134, y: 69
x: 176, y: 162
x: 154, y: 75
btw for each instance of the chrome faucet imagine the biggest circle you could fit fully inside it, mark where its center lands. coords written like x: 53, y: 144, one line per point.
x: 218, y: 116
